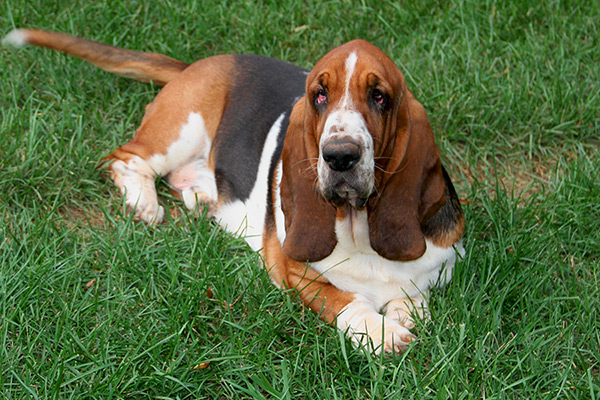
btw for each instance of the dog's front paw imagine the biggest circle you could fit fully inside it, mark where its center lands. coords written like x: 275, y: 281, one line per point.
x: 375, y: 332
x: 402, y: 310
x: 149, y: 213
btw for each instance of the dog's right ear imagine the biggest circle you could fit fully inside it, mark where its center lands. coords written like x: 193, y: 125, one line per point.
x: 309, y: 218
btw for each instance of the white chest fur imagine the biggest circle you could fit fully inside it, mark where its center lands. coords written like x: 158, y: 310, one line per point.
x: 354, y: 266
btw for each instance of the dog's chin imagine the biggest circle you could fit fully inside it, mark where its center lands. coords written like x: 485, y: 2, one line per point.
x: 343, y: 194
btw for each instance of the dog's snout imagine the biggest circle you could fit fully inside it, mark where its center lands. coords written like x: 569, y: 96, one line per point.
x: 341, y: 156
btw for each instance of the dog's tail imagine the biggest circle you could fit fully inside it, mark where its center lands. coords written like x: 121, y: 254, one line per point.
x: 145, y: 67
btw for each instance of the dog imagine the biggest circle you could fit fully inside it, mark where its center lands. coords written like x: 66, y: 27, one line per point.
x: 332, y: 174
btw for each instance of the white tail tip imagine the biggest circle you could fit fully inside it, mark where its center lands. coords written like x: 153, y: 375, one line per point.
x: 16, y: 37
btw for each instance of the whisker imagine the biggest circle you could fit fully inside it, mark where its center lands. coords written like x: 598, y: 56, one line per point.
x: 316, y: 184
x: 305, y: 159
x: 383, y: 158
x: 311, y: 167
x: 389, y: 172
x: 377, y: 192
x: 380, y: 169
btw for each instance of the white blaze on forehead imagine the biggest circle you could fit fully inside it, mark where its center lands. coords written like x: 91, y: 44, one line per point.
x: 350, y: 66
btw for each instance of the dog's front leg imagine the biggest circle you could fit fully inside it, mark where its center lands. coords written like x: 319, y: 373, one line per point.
x: 351, y: 312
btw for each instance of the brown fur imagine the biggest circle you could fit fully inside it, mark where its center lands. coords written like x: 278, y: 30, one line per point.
x: 448, y: 238
x: 309, y: 218
x: 412, y: 187
x: 145, y: 67
x: 162, y: 123
x: 314, y: 290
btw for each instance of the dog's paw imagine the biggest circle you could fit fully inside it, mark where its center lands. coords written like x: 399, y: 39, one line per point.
x: 402, y: 310
x: 149, y: 213
x: 195, y: 199
x: 196, y: 185
x: 373, y: 331
x: 135, y: 179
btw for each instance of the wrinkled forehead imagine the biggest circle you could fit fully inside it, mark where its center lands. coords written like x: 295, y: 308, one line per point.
x: 352, y: 63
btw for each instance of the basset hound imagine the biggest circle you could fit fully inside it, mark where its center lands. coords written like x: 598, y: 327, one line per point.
x: 333, y: 174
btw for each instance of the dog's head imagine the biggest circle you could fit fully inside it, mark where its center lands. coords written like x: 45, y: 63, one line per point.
x: 359, y: 139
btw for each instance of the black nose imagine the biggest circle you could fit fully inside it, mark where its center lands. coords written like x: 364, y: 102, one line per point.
x: 341, y: 156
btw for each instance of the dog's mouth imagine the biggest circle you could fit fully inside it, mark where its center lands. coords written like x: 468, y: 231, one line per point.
x: 343, y: 192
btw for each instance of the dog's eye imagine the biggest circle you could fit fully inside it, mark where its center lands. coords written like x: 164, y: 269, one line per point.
x: 378, y: 97
x: 320, y: 98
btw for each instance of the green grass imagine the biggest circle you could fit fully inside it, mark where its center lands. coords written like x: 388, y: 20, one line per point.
x: 185, y: 311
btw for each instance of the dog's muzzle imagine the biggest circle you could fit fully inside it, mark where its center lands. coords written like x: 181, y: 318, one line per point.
x: 345, y: 175
x: 341, y: 155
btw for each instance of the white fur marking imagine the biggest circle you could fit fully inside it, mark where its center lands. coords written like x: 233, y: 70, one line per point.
x: 16, y: 37
x: 186, y: 162
x: 348, y: 123
x: 193, y: 142
x: 350, y: 66
x: 279, y: 216
x: 395, y: 287
x: 196, y: 182
x: 247, y: 218
x: 366, y: 327
x: 135, y: 179
x: 354, y: 266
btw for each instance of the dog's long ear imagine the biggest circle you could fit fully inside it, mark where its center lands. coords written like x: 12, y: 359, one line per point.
x: 411, y: 190
x: 309, y: 219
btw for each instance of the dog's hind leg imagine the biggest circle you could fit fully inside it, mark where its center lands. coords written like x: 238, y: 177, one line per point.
x: 178, y: 150
x: 196, y: 185
x: 135, y: 178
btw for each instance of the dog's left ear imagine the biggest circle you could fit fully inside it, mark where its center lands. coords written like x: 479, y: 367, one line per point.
x: 411, y: 189
x: 309, y: 218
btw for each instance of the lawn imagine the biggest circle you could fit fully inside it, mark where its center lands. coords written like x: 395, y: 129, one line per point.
x: 95, y: 305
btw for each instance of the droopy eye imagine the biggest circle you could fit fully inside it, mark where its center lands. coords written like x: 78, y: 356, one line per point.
x: 378, y: 97
x: 320, y: 98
